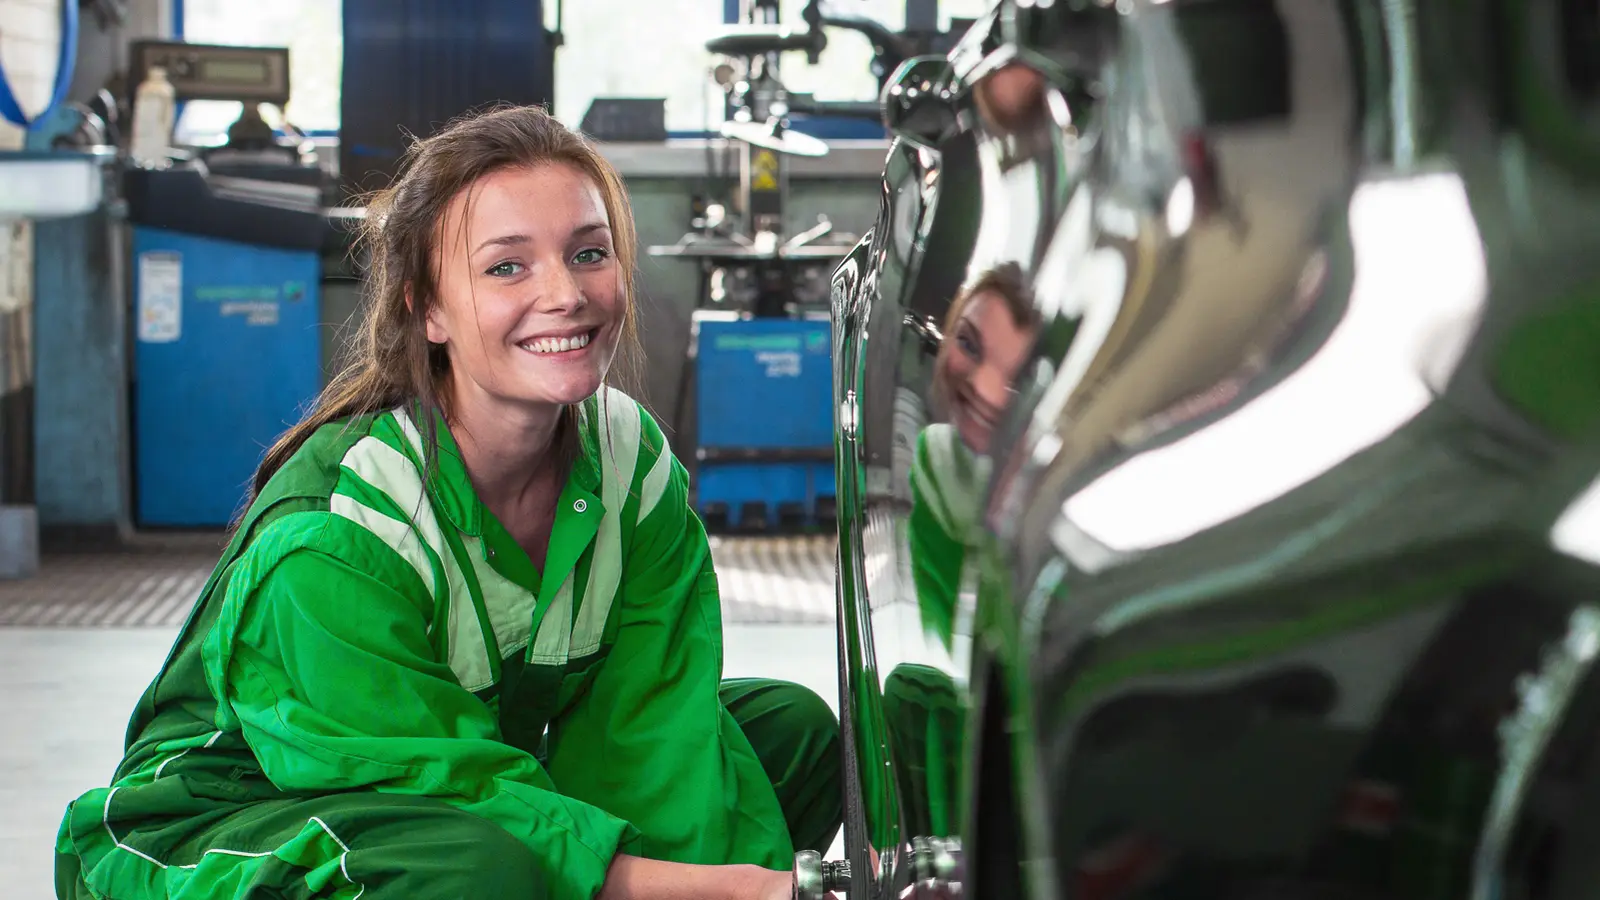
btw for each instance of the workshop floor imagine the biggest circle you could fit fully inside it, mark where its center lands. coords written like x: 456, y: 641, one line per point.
x: 79, y: 643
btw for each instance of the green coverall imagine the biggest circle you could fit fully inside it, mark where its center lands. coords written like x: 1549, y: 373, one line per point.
x: 379, y: 696
x: 924, y: 711
x: 947, y: 484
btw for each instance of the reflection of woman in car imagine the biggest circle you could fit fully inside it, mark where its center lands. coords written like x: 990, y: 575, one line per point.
x: 988, y: 335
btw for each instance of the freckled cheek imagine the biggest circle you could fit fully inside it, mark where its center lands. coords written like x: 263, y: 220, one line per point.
x: 606, y: 304
x: 1011, y: 369
x: 602, y: 287
x: 491, y: 326
x: 993, y: 384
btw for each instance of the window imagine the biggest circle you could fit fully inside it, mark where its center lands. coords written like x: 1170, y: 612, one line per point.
x: 615, y: 48
x: 639, y: 49
x: 313, y: 32
x: 657, y: 49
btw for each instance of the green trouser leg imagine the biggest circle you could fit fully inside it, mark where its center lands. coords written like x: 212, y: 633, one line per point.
x: 336, y: 847
x: 924, y: 716
x: 393, y: 847
x: 796, y: 737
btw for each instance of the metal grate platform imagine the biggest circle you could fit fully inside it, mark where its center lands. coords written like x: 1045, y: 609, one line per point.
x: 107, y: 590
x: 775, y: 579
x: 764, y: 580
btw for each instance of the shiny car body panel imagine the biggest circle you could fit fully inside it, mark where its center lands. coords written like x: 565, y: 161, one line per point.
x: 1278, y: 575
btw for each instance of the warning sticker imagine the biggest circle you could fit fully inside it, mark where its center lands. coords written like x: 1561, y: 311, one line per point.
x: 764, y: 171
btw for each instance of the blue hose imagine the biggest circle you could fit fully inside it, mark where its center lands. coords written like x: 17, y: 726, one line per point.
x: 67, y: 64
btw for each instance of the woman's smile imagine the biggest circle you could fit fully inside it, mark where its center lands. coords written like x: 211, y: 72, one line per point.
x: 565, y: 346
x: 975, y: 419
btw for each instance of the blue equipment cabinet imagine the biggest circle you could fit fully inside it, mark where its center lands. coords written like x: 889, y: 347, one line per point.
x: 227, y: 355
x: 764, y: 398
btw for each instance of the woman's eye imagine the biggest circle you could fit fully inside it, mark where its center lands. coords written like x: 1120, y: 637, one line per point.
x: 504, y: 270
x: 969, y: 345
x: 590, y: 256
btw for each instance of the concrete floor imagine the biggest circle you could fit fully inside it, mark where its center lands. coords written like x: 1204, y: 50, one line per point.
x: 68, y: 693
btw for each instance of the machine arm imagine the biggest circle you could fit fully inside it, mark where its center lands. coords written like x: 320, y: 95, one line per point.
x: 886, y: 44
x: 843, y: 109
x: 758, y: 40
x: 888, y: 48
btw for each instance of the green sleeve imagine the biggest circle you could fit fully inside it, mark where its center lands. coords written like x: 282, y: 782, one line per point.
x: 329, y: 675
x: 651, y: 741
x: 937, y: 556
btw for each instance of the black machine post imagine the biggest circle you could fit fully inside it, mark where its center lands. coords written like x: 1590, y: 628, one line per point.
x: 763, y: 182
x: 763, y: 185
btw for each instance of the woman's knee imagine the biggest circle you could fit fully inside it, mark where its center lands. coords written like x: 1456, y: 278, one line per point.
x: 447, y: 853
x: 781, y: 718
x: 795, y: 734
x: 809, y: 712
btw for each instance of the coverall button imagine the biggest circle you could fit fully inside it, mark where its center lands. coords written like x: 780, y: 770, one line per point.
x: 579, y: 505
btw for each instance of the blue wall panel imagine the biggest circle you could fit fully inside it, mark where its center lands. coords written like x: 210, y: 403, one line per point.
x: 80, y: 417
x: 412, y: 65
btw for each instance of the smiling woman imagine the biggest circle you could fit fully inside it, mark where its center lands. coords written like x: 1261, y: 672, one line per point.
x: 531, y: 307
x: 466, y: 640
x: 988, y: 334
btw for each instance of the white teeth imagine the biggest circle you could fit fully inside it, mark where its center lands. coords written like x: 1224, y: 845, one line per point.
x: 557, y: 345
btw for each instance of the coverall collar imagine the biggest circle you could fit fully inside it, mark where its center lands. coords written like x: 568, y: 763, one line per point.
x: 452, y: 488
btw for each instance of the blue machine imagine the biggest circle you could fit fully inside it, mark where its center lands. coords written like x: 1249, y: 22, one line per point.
x: 227, y: 318
x: 227, y: 355
x: 764, y: 396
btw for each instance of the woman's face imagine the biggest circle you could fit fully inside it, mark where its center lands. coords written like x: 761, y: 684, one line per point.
x: 530, y: 298
x: 986, y: 353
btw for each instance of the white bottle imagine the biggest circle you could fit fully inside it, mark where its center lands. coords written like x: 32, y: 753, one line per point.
x: 154, y: 106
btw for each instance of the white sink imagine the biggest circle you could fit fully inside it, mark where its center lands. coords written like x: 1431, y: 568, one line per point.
x: 38, y: 185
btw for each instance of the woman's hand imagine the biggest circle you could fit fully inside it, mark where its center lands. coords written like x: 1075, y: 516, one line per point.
x: 636, y: 878
x: 774, y: 885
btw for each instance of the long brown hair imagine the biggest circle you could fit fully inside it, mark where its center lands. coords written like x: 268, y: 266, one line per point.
x: 391, y: 362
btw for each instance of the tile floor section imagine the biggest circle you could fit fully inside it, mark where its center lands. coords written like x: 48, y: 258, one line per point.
x: 764, y: 580
x: 87, y: 635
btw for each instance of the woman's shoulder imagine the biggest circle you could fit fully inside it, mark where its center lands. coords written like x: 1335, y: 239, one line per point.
x: 622, y: 429
x: 312, y: 504
x: 941, y: 450
x: 314, y: 469
x: 635, y: 466
x: 373, y: 446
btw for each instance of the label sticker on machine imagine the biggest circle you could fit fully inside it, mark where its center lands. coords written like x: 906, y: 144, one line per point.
x: 160, y: 301
x: 779, y: 365
x: 778, y: 354
x: 255, y: 313
x: 257, y: 304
